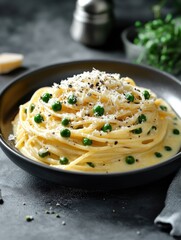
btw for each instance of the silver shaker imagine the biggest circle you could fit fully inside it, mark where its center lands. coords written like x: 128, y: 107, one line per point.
x: 92, y: 22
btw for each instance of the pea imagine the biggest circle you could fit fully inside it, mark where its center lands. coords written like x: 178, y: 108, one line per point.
x: 43, y: 152
x: 146, y: 94
x: 64, y: 161
x: 107, y: 127
x: 65, y: 121
x: 98, y: 110
x: 168, y: 148
x: 130, y: 97
x: 65, y: 133
x: 72, y: 99
x: 142, y: 118
x: 176, y: 131
x: 56, y: 106
x: 158, y: 154
x: 38, y: 118
x: 130, y: 160
x: 86, y: 141
x: 46, y: 97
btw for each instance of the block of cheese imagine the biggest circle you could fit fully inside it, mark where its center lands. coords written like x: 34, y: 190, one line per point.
x: 9, y: 62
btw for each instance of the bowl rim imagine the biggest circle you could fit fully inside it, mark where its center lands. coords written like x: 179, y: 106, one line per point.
x: 79, y: 173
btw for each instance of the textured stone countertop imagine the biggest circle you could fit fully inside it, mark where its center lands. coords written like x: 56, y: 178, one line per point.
x: 40, y: 31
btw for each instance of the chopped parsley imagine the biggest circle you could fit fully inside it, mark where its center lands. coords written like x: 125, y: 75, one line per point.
x: 91, y: 164
x: 137, y: 131
x: 142, y: 118
x: 163, y: 108
x: 32, y: 107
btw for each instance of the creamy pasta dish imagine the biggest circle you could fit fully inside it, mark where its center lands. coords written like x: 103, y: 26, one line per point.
x: 97, y: 122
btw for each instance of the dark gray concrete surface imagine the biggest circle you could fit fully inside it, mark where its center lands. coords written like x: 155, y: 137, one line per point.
x: 40, y: 31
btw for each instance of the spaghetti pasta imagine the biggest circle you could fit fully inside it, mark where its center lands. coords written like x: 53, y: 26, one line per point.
x: 97, y: 122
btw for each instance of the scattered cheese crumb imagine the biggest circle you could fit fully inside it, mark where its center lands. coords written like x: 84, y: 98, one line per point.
x: 11, y: 137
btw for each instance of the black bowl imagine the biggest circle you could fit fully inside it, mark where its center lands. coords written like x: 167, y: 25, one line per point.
x: 20, y: 90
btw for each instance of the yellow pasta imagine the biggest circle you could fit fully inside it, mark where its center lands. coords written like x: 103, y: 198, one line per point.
x: 97, y: 122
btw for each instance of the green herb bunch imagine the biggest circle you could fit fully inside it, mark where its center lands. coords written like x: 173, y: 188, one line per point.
x: 161, y: 40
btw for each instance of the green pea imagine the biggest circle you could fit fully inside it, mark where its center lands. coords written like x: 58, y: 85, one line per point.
x: 107, y: 127
x: 129, y: 97
x: 86, y: 141
x: 176, y: 131
x: 130, y: 160
x: 146, y: 94
x: 56, y: 106
x: 142, y: 118
x: 168, y: 148
x: 98, y: 110
x: 63, y: 161
x: 158, y: 154
x: 65, y: 121
x: 46, y: 97
x: 65, y: 133
x: 72, y: 99
x: 38, y: 118
x: 43, y: 152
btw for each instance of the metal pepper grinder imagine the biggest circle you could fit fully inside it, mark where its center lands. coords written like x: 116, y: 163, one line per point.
x: 92, y: 22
